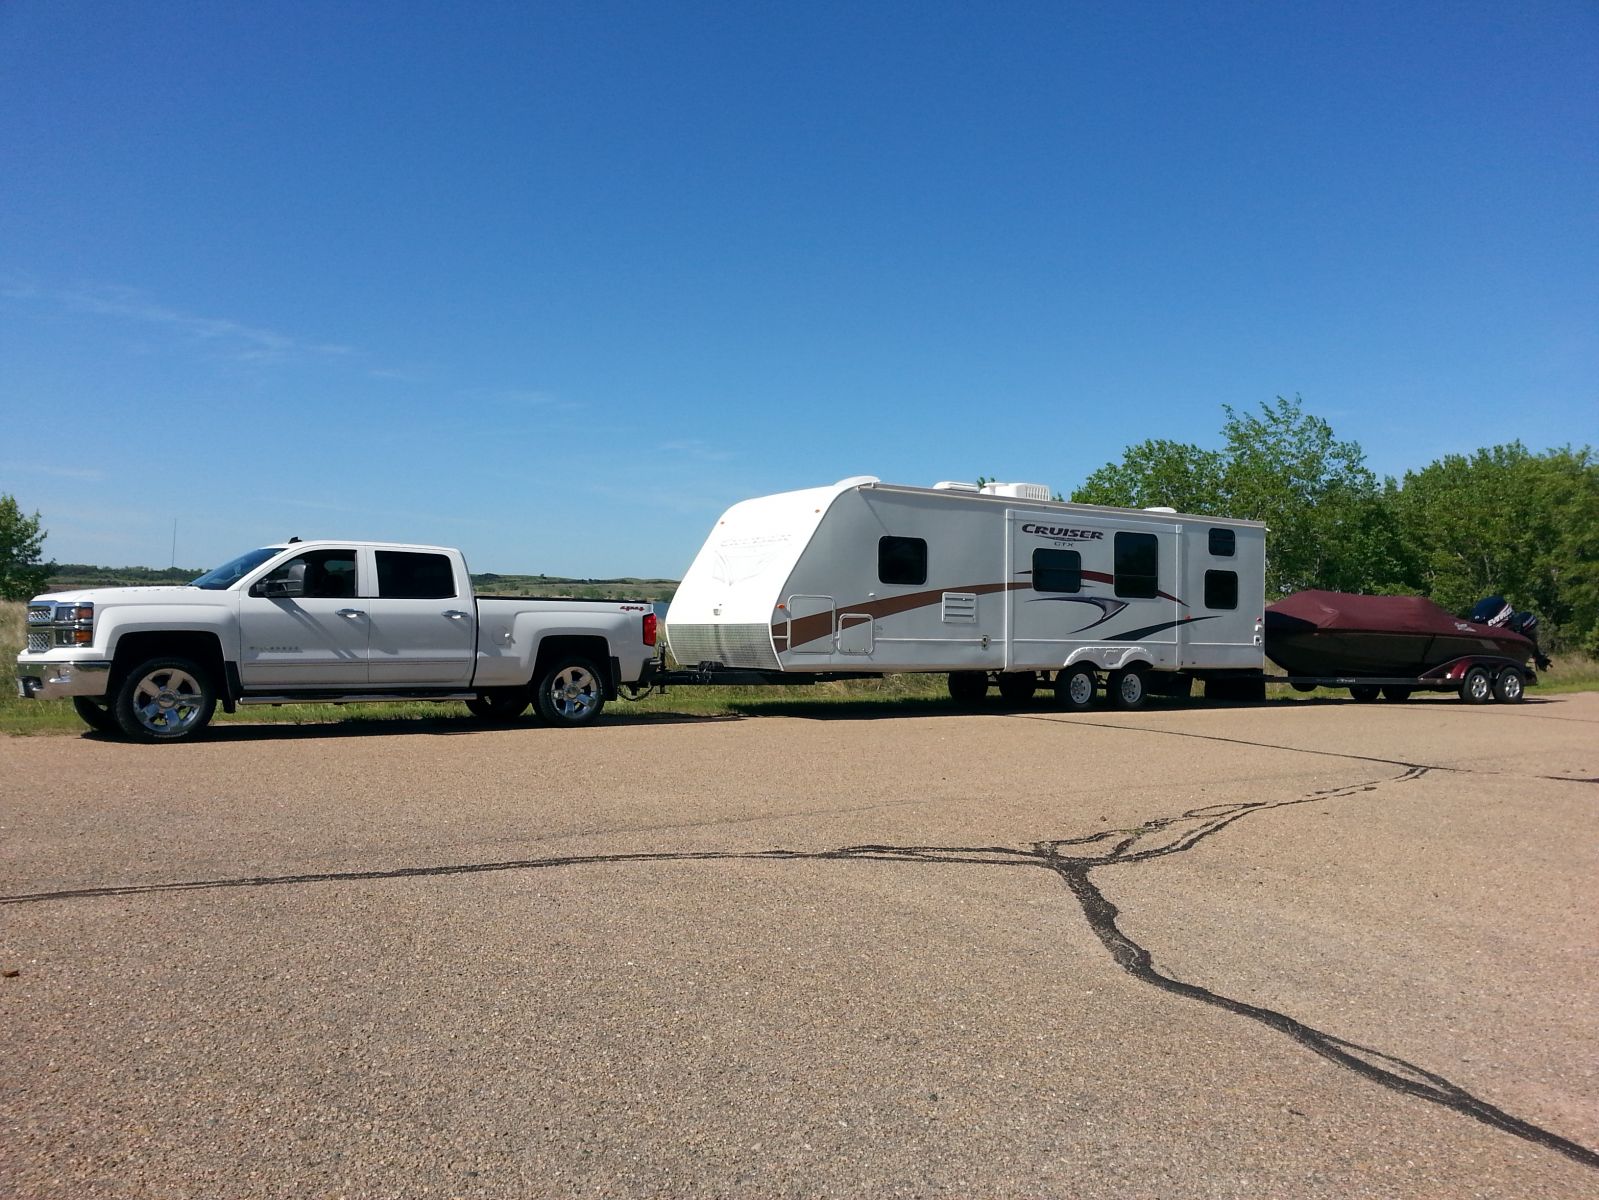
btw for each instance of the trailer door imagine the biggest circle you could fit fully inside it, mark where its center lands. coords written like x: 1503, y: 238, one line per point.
x: 1078, y: 580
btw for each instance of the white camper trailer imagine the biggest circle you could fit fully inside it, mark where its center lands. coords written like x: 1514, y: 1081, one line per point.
x: 997, y: 583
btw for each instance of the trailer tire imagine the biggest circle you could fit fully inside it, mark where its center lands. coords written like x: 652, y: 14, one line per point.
x: 165, y: 699
x: 96, y: 714
x: 1396, y: 695
x: 1017, y: 687
x: 1510, y: 687
x: 968, y: 688
x: 500, y: 706
x: 1076, y: 687
x: 1365, y: 693
x: 569, y: 692
x: 1127, y: 690
x: 1477, y: 687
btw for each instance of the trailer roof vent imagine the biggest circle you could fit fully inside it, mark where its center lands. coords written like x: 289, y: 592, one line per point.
x: 954, y: 485
x: 1019, y: 491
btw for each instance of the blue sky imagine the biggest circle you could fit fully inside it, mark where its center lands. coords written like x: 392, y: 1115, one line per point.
x: 558, y: 283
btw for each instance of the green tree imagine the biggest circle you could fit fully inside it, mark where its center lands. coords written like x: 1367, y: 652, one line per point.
x: 1330, y: 523
x: 1505, y: 521
x: 22, y: 573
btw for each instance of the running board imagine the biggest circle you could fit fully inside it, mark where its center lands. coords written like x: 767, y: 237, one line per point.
x: 353, y: 697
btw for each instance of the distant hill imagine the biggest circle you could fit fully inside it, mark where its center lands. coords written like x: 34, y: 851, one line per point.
x: 76, y: 575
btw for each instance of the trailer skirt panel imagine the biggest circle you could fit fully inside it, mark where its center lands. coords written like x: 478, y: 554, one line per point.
x: 730, y: 645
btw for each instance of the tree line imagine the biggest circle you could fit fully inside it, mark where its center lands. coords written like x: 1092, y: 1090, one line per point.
x: 1500, y: 521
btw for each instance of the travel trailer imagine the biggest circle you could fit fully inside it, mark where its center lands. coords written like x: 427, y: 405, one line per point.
x: 996, y: 585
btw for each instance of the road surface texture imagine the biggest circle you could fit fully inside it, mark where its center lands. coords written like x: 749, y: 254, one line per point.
x: 1322, y: 949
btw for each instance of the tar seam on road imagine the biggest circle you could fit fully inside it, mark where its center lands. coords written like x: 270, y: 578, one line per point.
x: 1159, y: 837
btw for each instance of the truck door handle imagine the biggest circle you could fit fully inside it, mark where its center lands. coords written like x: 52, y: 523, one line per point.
x: 350, y: 613
x: 456, y: 614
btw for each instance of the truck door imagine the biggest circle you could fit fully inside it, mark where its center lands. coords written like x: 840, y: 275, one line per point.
x: 424, y: 621
x: 1081, y: 579
x: 302, y: 625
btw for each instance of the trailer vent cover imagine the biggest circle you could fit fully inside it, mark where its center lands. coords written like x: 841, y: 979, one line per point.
x: 1019, y: 491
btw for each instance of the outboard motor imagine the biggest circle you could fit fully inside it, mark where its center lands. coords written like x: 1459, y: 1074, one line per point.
x: 1497, y: 612
x: 1493, y: 610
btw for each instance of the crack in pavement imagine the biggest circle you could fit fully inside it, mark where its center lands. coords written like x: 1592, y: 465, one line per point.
x: 1072, y: 860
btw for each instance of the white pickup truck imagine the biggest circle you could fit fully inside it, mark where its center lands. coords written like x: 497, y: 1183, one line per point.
x: 328, y: 621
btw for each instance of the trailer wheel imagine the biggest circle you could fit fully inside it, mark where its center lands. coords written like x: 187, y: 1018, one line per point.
x: 1017, y: 687
x: 1126, y: 689
x: 968, y: 688
x: 1397, y: 695
x: 165, y: 700
x: 499, y: 706
x: 569, y: 692
x: 1510, y: 687
x: 96, y: 714
x: 1477, y: 687
x: 1365, y: 693
x: 1075, y: 687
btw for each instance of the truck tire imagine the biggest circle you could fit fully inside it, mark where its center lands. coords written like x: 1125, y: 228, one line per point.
x: 1126, y: 689
x: 1510, y: 687
x: 569, y: 692
x: 96, y: 714
x: 1017, y: 687
x: 165, y: 700
x: 1075, y: 688
x: 1477, y: 687
x: 968, y: 688
x: 501, y: 706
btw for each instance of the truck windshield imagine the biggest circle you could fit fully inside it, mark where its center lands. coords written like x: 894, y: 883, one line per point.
x: 229, y: 573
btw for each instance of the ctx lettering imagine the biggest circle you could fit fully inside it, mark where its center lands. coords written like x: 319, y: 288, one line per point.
x: 1060, y: 531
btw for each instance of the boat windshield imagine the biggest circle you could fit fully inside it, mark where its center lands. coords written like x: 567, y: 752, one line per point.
x: 229, y: 573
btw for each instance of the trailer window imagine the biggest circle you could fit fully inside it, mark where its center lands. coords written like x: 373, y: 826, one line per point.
x: 901, y: 560
x: 405, y: 575
x: 1221, y: 589
x: 1223, y: 542
x: 1137, y: 566
x: 1057, y: 571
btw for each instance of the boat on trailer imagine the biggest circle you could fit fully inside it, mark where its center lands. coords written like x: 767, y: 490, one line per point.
x: 1395, y: 645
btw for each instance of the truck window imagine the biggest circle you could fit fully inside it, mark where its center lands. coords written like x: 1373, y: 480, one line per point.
x: 411, y: 575
x: 1223, y: 542
x: 901, y: 560
x: 1057, y: 571
x: 327, y: 574
x: 1221, y: 589
x: 1137, y: 566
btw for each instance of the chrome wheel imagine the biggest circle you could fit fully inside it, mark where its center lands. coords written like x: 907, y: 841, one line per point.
x: 1127, y: 689
x: 570, y: 693
x: 164, y: 700
x: 1075, y: 687
x: 1478, y: 686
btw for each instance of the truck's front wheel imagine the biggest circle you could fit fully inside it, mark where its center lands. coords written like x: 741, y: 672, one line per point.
x: 165, y: 700
x: 569, y: 693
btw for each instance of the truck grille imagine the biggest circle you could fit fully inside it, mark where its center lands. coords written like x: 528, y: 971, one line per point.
x: 38, y: 642
x: 40, y: 614
x: 731, y: 645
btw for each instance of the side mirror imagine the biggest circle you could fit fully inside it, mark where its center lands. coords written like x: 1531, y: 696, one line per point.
x: 279, y: 589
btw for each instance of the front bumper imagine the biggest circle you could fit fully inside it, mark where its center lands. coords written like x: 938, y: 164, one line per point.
x: 44, y: 680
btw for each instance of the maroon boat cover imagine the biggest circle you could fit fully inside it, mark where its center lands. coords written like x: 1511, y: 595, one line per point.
x: 1382, y: 614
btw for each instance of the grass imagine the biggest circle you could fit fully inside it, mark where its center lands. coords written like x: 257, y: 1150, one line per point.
x: 897, y: 695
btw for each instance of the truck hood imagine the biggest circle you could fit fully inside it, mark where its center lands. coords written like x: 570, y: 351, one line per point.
x: 107, y: 597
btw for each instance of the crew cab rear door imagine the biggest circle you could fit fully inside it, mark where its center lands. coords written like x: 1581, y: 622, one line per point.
x: 423, y: 620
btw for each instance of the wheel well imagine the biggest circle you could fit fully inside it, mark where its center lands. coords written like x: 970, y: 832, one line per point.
x: 205, y: 649
x: 595, y: 649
